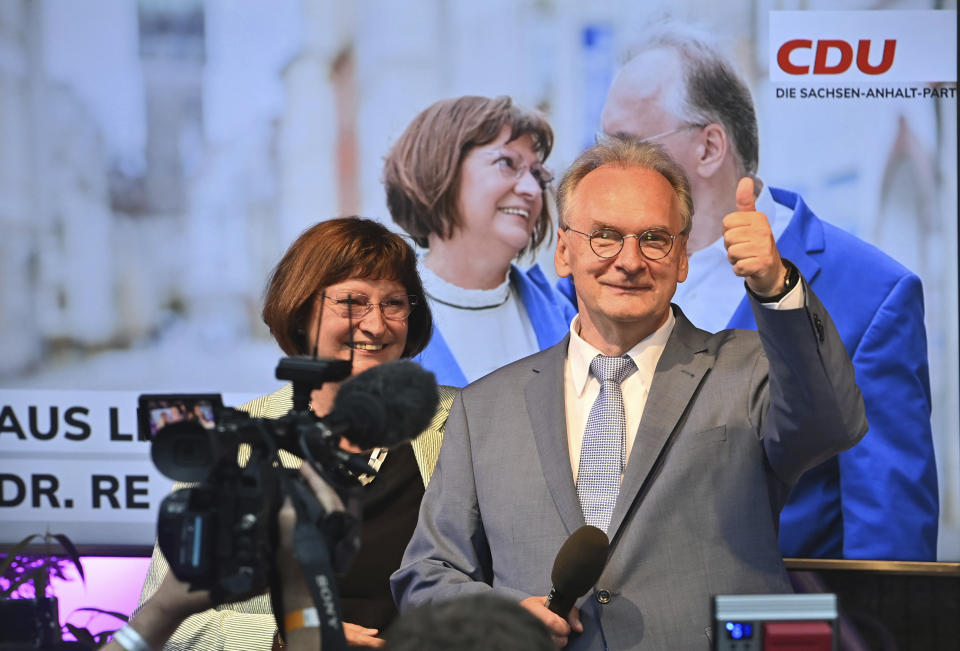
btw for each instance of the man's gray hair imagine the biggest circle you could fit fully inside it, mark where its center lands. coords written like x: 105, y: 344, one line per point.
x: 714, y: 90
x: 626, y: 153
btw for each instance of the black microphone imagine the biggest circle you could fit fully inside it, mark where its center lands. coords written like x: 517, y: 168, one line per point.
x: 385, y: 405
x: 578, y: 566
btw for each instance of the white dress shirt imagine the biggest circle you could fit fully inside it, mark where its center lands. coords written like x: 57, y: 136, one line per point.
x: 581, y: 387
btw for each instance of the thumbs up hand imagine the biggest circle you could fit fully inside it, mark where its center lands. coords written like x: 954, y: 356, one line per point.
x: 750, y: 246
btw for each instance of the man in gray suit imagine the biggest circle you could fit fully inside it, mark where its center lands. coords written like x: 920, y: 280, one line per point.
x: 716, y: 428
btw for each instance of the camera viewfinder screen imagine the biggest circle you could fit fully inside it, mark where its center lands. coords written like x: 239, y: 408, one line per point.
x: 156, y: 412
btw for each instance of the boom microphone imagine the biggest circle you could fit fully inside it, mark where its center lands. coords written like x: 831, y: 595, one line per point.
x: 577, y: 568
x: 385, y: 405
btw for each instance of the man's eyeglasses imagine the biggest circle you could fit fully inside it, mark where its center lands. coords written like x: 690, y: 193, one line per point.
x: 600, y: 137
x: 351, y: 305
x: 513, y: 168
x: 655, y: 244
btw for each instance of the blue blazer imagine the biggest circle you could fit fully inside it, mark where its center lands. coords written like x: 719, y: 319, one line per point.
x: 549, y: 314
x: 878, y: 500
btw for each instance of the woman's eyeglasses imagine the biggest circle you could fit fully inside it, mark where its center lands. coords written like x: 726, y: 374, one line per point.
x: 513, y: 168
x: 351, y: 305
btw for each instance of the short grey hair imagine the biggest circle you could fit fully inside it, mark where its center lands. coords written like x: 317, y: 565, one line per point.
x: 626, y: 153
x: 715, y: 92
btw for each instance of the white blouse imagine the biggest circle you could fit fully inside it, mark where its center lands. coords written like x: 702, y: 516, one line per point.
x: 484, y: 328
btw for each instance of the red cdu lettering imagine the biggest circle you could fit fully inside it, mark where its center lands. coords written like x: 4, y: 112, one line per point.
x: 827, y: 49
x: 783, y: 56
x: 820, y: 66
x: 863, y: 57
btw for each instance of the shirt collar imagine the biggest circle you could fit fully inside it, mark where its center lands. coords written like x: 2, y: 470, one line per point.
x: 448, y: 293
x: 645, y: 354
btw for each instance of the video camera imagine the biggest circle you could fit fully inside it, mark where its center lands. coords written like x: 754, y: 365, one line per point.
x: 220, y: 534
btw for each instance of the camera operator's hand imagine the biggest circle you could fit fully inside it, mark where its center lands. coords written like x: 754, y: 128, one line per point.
x: 362, y: 637
x: 160, y: 616
x: 173, y: 601
x: 175, y: 598
x: 347, y: 446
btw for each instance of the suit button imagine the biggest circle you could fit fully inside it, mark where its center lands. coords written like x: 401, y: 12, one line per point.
x: 603, y: 596
x: 818, y: 324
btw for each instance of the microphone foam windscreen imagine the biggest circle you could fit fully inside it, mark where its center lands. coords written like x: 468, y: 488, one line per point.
x: 386, y: 404
x: 580, y: 561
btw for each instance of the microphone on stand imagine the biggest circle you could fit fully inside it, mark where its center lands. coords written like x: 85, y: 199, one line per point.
x: 577, y: 568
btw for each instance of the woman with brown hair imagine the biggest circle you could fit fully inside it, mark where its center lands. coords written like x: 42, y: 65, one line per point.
x: 346, y: 288
x: 466, y: 180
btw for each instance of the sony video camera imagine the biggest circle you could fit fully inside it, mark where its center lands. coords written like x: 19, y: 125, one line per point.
x: 220, y: 532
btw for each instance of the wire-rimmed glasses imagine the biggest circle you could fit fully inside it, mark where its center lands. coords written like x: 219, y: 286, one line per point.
x: 600, y: 137
x: 513, y: 168
x: 655, y: 244
x: 353, y: 305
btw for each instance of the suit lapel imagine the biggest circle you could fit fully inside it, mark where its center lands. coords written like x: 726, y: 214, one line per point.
x: 545, y: 408
x: 682, y: 365
x: 803, y: 240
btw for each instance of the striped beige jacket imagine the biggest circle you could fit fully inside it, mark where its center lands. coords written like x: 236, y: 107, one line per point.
x: 249, y: 625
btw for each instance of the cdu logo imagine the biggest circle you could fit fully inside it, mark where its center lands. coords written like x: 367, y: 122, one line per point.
x: 833, y: 56
x: 869, y: 47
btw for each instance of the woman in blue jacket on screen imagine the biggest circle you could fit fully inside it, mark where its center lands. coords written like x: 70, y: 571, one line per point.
x: 466, y: 180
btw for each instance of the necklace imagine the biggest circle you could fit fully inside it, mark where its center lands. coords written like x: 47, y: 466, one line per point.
x: 468, y: 307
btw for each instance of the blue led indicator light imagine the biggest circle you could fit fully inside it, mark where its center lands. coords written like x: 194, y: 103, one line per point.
x: 739, y: 631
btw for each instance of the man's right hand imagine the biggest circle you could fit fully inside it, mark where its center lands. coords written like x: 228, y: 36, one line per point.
x: 361, y: 636
x: 558, y: 627
x: 751, y: 247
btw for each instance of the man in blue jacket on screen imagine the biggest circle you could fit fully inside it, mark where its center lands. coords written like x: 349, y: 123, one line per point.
x: 878, y: 500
